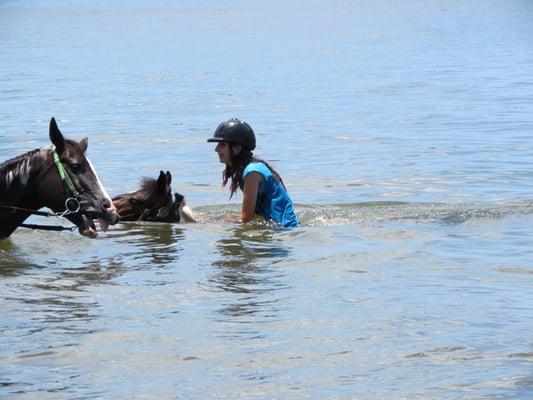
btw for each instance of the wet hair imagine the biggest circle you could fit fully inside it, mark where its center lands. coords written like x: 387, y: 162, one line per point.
x: 234, y: 171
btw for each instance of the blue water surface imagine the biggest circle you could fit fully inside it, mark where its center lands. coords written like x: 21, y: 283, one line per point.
x: 403, y: 130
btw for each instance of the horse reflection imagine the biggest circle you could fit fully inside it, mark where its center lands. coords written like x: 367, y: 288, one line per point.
x: 150, y: 244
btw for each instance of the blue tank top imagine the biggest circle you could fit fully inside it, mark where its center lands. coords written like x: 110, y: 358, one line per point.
x: 273, y: 201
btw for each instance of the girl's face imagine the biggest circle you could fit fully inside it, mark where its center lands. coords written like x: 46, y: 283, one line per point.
x: 223, y: 150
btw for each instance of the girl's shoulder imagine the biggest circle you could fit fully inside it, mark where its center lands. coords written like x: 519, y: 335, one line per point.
x: 257, y: 166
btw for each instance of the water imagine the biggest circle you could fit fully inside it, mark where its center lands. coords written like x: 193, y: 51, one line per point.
x: 403, y: 132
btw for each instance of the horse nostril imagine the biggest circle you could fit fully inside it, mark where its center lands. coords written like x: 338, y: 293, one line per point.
x: 107, y: 205
x: 178, y: 197
x: 109, y: 211
x: 113, y: 207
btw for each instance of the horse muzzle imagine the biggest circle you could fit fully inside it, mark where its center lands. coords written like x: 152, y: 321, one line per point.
x: 109, y: 215
x: 106, y: 214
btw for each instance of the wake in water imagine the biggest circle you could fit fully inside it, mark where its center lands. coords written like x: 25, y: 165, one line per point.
x: 382, y: 211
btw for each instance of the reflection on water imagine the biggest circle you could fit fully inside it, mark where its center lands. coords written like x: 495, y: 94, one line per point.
x: 247, y: 245
x: 10, y: 263
x: 54, y: 296
x: 154, y: 244
x: 246, y: 270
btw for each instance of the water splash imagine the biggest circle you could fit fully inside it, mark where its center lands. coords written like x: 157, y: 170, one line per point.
x: 382, y: 211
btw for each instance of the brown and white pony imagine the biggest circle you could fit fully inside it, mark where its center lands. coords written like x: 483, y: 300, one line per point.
x: 154, y: 202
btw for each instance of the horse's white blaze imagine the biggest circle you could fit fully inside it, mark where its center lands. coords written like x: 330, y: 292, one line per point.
x: 98, y: 180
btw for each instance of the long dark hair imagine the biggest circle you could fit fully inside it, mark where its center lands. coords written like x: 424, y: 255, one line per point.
x: 234, y: 171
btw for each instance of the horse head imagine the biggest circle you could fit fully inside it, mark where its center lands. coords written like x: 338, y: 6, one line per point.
x: 71, y: 184
x: 153, y: 202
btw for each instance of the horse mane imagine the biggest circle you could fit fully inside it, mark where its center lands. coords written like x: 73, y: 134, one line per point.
x: 149, y: 186
x: 16, y: 167
x: 13, y: 162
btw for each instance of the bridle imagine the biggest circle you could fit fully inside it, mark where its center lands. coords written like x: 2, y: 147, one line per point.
x: 72, y: 202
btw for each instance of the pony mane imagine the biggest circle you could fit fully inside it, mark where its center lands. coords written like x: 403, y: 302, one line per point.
x: 149, y: 186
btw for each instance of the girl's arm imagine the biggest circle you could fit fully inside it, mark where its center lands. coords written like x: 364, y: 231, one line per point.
x: 250, y: 189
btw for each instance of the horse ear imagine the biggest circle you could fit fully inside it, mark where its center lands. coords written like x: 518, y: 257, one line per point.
x: 56, y: 136
x: 161, y: 182
x: 84, y: 143
x: 169, y: 178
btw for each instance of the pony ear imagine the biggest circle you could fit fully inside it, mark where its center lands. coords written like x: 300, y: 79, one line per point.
x: 84, y: 143
x: 169, y: 178
x: 56, y: 137
x: 161, y: 182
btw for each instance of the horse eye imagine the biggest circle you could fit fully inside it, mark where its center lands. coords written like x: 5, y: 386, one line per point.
x: 76, y: 168
x: 134, y: 201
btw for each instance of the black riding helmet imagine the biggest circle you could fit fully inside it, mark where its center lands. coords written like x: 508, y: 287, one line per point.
x: 234, y: 131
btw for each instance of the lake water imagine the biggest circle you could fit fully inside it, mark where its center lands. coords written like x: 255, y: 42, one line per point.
x: 404, y: 132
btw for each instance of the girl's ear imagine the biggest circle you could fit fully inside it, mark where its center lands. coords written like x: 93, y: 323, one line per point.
x: 236, y: 149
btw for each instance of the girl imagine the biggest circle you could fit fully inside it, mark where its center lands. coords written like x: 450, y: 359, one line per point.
x: 263, y: 190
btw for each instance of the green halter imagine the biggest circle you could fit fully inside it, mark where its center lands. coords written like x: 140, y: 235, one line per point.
x: 65, y: 178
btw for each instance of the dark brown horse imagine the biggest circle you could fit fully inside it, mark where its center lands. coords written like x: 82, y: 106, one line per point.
x: 154, y: 202
x: 59, y: 177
